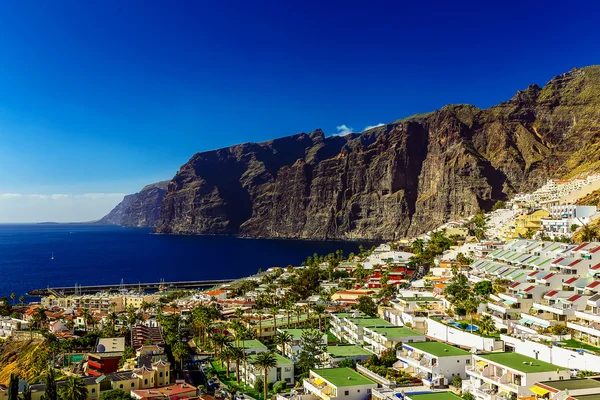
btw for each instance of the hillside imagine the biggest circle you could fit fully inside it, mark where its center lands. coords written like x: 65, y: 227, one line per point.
x: 139, y: 210
x: 27, y: 358
x: 592, y: 199
x: 399, y: 179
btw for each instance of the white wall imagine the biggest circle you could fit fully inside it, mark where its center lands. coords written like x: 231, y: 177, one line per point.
x: 554, y: 354
x: 448, y: 334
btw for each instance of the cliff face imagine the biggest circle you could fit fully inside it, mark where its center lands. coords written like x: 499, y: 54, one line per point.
x: 140, y: 210
x: 400, y: 179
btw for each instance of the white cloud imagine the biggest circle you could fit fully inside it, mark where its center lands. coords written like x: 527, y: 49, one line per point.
x: 373, y: 126
x: 56, y: 207
x: 343, y: 130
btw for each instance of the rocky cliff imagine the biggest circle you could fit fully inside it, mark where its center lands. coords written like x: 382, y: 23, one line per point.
x: 400, y: 179
x: 139, y: 210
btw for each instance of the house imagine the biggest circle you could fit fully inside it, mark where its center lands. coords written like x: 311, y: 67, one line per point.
x: 380, y: 339
x: 175, y: 391
x: 350, y: 326
x: 292, y: 349
x: 142, y: 378
x: 336, y: 354
x: 252, y: 346
x: 524, y: 224
x: 350, y: 296
x: 434, y: 362
x: 432, y: 396
x: 342, y: 383
x: 508, y: 374
x: 582, y: 388
x: 284, y: 371
x: 143, y: 334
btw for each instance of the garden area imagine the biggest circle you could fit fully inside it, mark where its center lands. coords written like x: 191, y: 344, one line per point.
x: 575, y: 344
x: 233, y: 386
x: 382, y: 366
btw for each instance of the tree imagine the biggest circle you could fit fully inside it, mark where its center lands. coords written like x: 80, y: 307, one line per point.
x: 265, y: 361
x: 283, y: 338
x: 127, y: 354
x: 574, y: 227
x: 13, y: 296
x: 115, y: 394
x: 74, y: 388
x: 588, y: 234
x: 367, y: 306
x: 487, y: 325
x: 13, y: 387
x: 529, y: 233
x: 499, y: 205
x: 21, y: 300
x: 457, y: 381
x: 180, y: 351
x: 311, y: 342
x: 347, y: 363
x: 236, y: 356
x: 483, y: 288
x: 468, y: 396
x: 50, y: 390
x: 559, y: 329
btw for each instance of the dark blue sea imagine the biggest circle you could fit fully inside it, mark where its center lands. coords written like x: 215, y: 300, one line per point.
x: 93, y: 254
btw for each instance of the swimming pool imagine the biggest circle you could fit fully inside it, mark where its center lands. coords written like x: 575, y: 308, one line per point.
x: 468, y: 327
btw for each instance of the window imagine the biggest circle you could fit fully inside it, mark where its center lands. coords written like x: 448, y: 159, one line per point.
x: 160, y: 375
x: 368, y: 391
x: 121, y: 386
x: 93, y: 390
x: 346, y: 393
x: 167, y: 373
x: 145, y: 381
x: 358, y: 391
x: 468, y: 361
x: 132, y: 384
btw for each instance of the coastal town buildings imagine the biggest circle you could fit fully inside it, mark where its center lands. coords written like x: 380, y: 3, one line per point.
x: 338, y: 383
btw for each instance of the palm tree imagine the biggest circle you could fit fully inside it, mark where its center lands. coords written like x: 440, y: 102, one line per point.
x: 180, y: 352
x: 265, y: 361
x: 73, y: 389
x: 274, y: 313
x: 237, y: 327
x: 588, y: 234
x: 220, y: 341
x: 40, y: 317
x: 85, y: 314
x: 22, y: 300
x: 319, y: 310
x: 282, y: 338
x: 225, y: 356
x: 236, y: 355
x: 487, y: 325
x: 13, y: 296
x: 260, y: 314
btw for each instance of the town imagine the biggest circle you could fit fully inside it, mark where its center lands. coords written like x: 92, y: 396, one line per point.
x: 500, y: 305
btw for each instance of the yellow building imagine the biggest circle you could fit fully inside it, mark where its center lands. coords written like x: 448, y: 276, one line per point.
x: 98, y: 302
x: 523, y: 224
x: 141, y: 378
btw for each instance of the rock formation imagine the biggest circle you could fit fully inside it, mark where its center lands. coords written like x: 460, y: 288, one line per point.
x: 139, y: 210
x: 403, y: 178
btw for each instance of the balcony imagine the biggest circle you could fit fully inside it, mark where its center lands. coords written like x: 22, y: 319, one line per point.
x: 555, y: 307
x: 544, y: 320
x: 590, y: 328
x: 319, y: 388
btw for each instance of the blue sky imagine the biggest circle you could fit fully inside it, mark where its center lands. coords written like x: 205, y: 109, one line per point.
x: 106, y: 98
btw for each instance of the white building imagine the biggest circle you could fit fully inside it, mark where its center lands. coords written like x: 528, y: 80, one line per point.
x: 434, y: 362
x: 284, y: 371
x: 496, y: 376
x: 342, y: 383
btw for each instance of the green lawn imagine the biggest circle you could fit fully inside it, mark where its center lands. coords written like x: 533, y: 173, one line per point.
x: 331, y: 338
x: 575, y: 344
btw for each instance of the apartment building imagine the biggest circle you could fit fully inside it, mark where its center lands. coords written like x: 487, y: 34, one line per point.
x: 497, y: 376
x: 380, y: 339
x: 434, y: 362
x: 283, y: 371
x: 562, y: 218
x: 338, y: 383
x: 336, y: 354
x: 582, y: 388
x: 293, y: 349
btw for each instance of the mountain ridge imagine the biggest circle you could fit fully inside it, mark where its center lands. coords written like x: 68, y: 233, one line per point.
x: 402, y: 178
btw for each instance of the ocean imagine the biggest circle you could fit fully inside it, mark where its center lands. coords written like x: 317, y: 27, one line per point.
x: 94, y: 254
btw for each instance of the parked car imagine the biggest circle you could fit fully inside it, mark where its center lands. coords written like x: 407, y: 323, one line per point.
x: 211, y: 384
